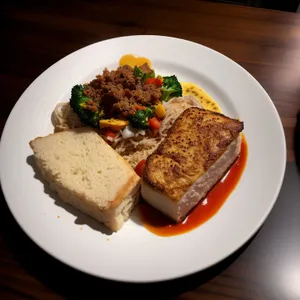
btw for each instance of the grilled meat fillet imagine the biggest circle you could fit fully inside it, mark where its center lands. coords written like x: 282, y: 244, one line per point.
x: 198, y: 150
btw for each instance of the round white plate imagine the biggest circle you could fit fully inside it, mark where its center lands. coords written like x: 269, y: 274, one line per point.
x: 135, y: 254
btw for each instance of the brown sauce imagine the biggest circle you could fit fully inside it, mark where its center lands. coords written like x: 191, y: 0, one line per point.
x: 161, y: 225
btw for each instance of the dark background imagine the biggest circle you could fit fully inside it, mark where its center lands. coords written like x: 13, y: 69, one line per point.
x: 284, y: 5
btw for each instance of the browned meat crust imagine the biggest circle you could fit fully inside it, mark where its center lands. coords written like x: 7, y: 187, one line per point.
x: 195, y: 141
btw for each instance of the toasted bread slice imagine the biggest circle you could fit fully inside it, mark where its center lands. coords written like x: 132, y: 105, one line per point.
x: 88, y: 174
x: 199, y: 144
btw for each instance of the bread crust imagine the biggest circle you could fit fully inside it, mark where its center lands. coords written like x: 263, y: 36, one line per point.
x: 124, y: 191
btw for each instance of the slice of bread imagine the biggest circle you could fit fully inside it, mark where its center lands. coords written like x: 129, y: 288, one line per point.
x: 88, y: 174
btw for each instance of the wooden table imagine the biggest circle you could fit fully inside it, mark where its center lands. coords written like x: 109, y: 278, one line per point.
x: 266, y: 43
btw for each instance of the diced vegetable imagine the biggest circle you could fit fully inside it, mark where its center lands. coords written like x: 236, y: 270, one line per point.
x: 160, y: 78
x: 115, y: 124
x: 155, y: 81
x: 158, y: 82
x: 150, y: 81
x: 171, y: 88
x: 128, y: 132
x: 154, y: 124
x: 160, y: 111
x: 110, y: 134
x: 148, y: 75
x: 141, y: 117
x: 140, y: 107
x: 139, y: 169
x: 138, y: 72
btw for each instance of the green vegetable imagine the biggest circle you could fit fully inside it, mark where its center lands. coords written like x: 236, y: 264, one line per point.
x: 171, y: 88
x: 148, y: 75
x: 78, y: 101
x: 141, y: 117
x: 138, y: 72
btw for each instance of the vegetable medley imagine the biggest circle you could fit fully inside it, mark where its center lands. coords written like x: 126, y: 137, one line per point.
x: 123, y: 98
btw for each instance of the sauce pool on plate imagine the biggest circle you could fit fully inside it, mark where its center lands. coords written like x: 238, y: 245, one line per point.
x: 191, y: 89
x: 161, y: 225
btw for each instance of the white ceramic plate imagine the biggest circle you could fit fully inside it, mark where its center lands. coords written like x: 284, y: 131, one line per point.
x: 134, y: 254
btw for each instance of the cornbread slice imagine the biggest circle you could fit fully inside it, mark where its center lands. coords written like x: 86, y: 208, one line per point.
x: 88, y: 174
x: 198, y: 150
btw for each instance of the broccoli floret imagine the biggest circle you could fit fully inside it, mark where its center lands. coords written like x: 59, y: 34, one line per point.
x: 141, y: 117
x: 78, y: 101
x: 138, y: 72
x: 170, y: 88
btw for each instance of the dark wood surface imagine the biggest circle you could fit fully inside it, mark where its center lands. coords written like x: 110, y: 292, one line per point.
x: 286, y: 5
x: 266, y: 43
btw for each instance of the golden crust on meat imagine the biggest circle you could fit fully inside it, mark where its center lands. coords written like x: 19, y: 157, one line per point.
x: 194, y: 143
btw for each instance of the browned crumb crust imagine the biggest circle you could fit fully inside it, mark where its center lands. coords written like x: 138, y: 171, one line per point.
x: 194, y: 143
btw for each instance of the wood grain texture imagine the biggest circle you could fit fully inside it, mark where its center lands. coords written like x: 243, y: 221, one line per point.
x: 266, y: 43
